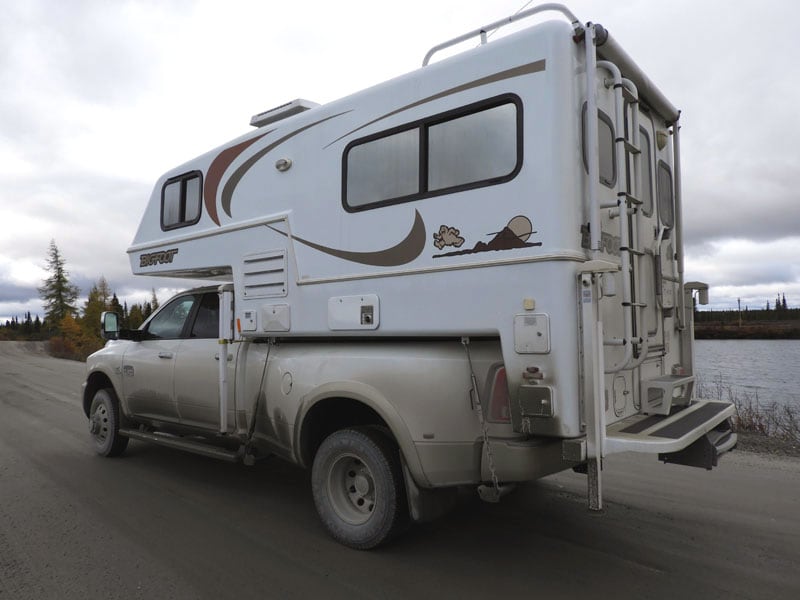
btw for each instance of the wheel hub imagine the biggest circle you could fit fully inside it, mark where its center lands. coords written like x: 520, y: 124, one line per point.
x: 351, y: 489
x: 97, y: 422
x: 362, y: 484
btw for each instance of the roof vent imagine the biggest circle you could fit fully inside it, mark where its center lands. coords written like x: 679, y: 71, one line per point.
x: 281, y: 112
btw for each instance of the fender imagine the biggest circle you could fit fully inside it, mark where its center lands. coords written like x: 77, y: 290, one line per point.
x: 106, y: 362
x: 371, y: 397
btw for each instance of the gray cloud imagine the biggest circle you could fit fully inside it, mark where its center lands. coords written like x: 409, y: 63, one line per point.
x: 94, y: 92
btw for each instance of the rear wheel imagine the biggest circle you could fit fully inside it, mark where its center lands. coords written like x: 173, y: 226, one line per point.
x: 358, y: 487
x: 104, y: 424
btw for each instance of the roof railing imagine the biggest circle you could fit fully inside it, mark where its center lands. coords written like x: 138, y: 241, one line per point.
x: 481, y: 31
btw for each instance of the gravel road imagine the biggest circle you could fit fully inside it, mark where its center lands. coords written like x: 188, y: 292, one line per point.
x: 158, y: 523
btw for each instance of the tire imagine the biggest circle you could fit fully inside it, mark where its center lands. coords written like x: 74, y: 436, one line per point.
x: 104, y: 421
x: 358, y: 487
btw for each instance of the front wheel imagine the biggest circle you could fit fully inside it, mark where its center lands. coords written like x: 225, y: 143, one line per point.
x: 104, y: 424
x: 358, y: 487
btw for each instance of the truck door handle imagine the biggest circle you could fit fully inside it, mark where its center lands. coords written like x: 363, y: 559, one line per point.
x: 165, y: 355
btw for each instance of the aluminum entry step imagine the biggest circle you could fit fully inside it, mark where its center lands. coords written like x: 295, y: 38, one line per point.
x: 666, y: 433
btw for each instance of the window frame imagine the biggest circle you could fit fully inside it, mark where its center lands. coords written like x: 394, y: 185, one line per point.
x: 182, y: 179
x: 423, y: 148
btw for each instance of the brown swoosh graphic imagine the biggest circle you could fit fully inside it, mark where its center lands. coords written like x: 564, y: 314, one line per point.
x: 400, y: 254
x: 233, y: 180
x: 217, y: 170
x: 525, y: 69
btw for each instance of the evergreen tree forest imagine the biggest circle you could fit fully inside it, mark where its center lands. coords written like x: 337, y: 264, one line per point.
x: 774, y: 320
x: 72, y: 330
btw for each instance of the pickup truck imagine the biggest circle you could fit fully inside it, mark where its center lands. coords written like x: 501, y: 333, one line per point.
x: 389, y: 428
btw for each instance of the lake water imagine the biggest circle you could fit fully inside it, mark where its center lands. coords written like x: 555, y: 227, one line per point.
x: 767, y: 370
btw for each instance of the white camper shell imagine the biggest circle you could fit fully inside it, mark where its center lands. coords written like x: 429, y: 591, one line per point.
x: 485, y: 252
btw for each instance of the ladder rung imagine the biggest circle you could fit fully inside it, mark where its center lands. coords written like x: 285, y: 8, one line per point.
x: 631, y: 148
x: 629, y: 198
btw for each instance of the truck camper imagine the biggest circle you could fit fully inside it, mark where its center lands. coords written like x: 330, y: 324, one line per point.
x: 469, y: 275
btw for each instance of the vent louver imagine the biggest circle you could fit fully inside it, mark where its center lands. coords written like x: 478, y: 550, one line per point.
x: 264, y: 275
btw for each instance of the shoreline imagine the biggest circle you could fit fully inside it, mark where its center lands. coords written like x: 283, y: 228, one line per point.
x: 767, y: 445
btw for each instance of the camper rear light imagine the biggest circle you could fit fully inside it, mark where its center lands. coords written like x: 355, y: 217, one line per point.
x: 499, y: 401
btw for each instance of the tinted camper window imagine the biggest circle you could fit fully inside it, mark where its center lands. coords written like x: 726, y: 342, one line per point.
x: 664, y: 191
x: 605, y: 147
x: 469, y: 147
x: 180, y: 200
x: 384, y: 168
x: 647, y: 173
x: 476, y: 147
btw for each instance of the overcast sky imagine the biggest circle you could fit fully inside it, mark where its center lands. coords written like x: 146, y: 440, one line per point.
x: 100, y: 97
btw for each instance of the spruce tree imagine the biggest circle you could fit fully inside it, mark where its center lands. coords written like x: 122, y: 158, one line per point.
x: 58, y: 294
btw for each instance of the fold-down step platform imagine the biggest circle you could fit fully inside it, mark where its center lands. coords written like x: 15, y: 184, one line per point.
x: 666, y: 433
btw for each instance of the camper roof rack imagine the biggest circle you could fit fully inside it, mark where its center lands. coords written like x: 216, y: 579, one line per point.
x: 482, y: 31
x: 281, y: 112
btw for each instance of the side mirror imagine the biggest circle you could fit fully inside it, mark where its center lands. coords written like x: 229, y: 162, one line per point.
x: 110, y: 325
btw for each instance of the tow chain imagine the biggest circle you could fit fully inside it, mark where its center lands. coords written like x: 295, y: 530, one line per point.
x: 493, y: 494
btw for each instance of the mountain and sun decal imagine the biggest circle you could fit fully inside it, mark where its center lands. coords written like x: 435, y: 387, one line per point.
x: 514, y: 235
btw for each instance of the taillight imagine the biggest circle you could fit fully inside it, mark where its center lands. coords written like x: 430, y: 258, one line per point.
x: 499, y: 402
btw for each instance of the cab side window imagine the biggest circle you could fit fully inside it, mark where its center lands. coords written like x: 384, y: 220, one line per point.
x: 206, y: 323
x: 170, y: 321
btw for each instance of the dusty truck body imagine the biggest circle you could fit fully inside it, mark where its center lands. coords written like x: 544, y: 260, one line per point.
x: 471, y: 274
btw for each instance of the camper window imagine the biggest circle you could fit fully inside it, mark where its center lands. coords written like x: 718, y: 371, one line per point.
x: 476, y: 147
x: 384, y: 168
x: 180, y: 201
x: 472, y: 146
x: 664, y: 191
x: 605, y: 146
x: 647, y: 173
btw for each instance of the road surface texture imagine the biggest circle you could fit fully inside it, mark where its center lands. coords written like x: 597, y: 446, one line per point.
x: 159, y: 523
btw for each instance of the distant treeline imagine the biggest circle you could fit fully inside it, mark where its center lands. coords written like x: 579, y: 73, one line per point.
x: 77, y: 334
x: 776, y: 323
x: 73, y: 331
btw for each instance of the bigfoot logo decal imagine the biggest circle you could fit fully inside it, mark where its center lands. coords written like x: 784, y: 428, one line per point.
x: 514, y: 235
